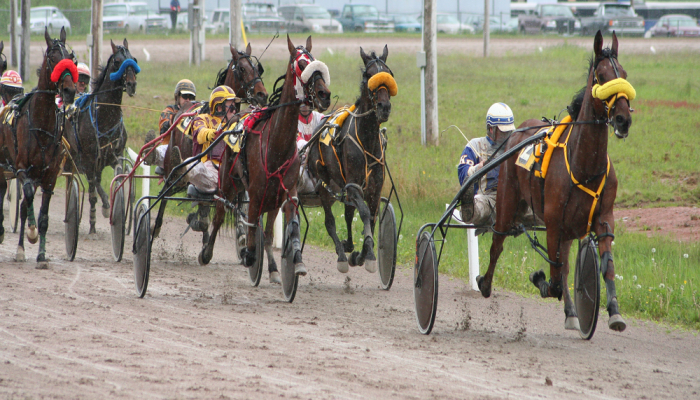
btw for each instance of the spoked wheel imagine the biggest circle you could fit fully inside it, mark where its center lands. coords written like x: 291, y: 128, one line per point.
x: 15, y: 198
x: 290, y: 280
x: 587, y: 287
x: 142, y: 249
x: 425, y: 283
x: 386, y: 251
x: 119, y: 217
x: 72, y: 220
x: 255, y: 271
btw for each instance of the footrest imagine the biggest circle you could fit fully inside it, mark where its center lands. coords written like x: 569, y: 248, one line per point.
x: 195, y: 193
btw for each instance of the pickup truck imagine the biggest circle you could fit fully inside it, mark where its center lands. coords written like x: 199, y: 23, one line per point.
x: 546, y: 18
x: 618, y: 17
x: 364, y: 18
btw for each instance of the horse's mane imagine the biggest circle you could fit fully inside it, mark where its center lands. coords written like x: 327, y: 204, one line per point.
x: 577, y: 101
x: 102, y: 74
x: 220, y: 77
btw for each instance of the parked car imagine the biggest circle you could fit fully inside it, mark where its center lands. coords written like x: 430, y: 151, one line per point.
x: 476, y: 21
x: 257, y: 18
x: 364, y: 18
x: 309, y: 18
x: 549, y: 18
x: 132, y: 17
x: 40, y: 17
x: 676, y: 25
x: 406, y: 23
x: 448, y: 23
x: 618, y: 17
x: 498, y: 24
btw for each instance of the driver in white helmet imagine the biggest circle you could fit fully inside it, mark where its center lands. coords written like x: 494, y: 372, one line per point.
x: 479, y: 201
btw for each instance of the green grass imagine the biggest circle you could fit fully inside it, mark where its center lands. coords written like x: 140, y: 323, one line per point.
x: 656, y: 165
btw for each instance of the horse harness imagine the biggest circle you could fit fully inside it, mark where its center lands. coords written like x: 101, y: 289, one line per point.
x: 239, y: 72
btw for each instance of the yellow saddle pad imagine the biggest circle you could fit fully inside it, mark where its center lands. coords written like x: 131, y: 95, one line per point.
x: 233, y: 140
x: 338, y: 118
x: 185, y: 125
x: 7, y: 116
x: 538, y: 155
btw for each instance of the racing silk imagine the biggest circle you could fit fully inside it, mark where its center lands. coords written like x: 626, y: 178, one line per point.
x: 166, y: 119
x: 477, y: 150
x: 307, y: 125
x: 204, y: 126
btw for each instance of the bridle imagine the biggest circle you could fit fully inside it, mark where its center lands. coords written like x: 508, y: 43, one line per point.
x: 374, y: 93
x: 610, y: 102
x: 112, y: 60
x: 57, y: 45
x: 309, y: 93
x: 239, y: 73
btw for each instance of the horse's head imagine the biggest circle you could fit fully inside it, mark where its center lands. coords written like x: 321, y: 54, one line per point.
x: 310, y: 75
x: 123, y: 67
x: 3, y: 60
x: 380, y: 83
x: 61, y: 66
x: 246, y: 77
x: 610, y: 87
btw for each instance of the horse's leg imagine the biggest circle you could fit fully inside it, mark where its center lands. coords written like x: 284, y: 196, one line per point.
x: 290, y: 212
x: 271, y: 265
x: 203, y: 219
x: 348, y: 245
x: 326, y: 203
x: 604, y: 230
x: 484, y: 282
x: 208, y: 249
x: 571, y: 321
x: 92, y: 197
x: 555, y: 286
x: 26, y: 212
x: 248, y: 252
x: 367, y: 254
x: 3, y: 189
x: 43, y: 228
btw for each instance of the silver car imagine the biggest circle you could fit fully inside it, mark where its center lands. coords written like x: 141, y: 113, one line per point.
x: 50, y: 17
x: 309, y: 18
x: 131, y: 17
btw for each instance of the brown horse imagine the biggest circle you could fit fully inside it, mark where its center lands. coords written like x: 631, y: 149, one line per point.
x: 97, y: 135
x: 268, y: 165
x: 355, y: 166
x: 570, y: 202
x: 31, y: 147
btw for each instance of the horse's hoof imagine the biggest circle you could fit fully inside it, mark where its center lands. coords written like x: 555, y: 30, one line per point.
x: 352, y: 260
x: 483, y: 287
x: 275, y: 277
x: 32, y: 235
x: 300, y: 269
x: 2, y: 238
x: 371, y: 266
x: 616, y: 323
x: 19, y: 257
x: 537, y: 276
x: 343, y: 267
x: 105, y: 212
x: 42, y: 265
x: 203, y: 258
x: 571, y: 324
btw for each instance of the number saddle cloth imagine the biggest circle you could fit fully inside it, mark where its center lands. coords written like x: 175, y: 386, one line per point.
x: 333, y: 124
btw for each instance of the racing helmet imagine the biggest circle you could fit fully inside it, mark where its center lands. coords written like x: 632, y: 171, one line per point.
x: 219, y: 95
x: 11, y: 78
x: 500, y: 115
x: 185, y: 86
x: 83, y: 69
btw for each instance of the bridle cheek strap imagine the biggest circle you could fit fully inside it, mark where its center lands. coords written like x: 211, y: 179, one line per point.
x: 383, y: 79
x: 64, y: 65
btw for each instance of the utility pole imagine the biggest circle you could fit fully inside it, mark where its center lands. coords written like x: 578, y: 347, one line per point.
x: 430, y: 48
x: 13, y: 33
x: 96, y: 32
x: 234, y: 36
x: 24, y: 48
x: 487, y: 38
x: 195, y: 35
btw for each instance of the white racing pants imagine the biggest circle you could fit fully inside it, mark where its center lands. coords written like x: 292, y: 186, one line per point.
x: 160, y: 155
x: 204, y: 176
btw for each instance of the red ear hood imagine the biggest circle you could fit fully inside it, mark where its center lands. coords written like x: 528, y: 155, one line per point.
x: 63, y: 65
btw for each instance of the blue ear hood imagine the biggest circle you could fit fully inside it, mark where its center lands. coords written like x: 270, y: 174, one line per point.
x: 126, y: 64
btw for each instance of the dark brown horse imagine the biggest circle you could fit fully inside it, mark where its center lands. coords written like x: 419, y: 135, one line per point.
x: 268, y: 165
x: 563, y: 200
x: 97, y: 135
x: 31, y: 147
x: 355, y: 166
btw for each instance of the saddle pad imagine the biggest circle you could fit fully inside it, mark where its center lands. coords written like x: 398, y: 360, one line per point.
x: 233, y: 140
x: 185, y: 125
x: 338, y: 118
x: 543, y: 152
x: 526, y: 158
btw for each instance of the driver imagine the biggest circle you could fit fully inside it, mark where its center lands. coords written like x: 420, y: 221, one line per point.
x: 83, y: 79
x: 10, y: 86
x: 205, y: 174
x: 309, y: 120
x: 479, y: 201
x: 185, y: 92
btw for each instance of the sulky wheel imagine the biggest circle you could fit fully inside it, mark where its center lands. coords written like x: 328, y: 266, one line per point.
x: 425, y: 283
x: 386, y: 251
x: 119, y: 219
x: 15, y: 198
x: 290, y: 280
x: 72, y: 220
x: 142, y: 249
x: 587, y: 287
x: 255, y: 272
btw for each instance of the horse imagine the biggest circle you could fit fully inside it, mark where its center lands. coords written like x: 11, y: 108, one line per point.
x: 98, y: 136
x: 32, y: 146
x: 268, y: 165
x: 3, y: 59
x: 355, y: 166
x: 579, y: 190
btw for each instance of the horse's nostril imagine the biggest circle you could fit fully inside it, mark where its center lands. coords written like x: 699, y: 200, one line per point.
x: 620, y: 119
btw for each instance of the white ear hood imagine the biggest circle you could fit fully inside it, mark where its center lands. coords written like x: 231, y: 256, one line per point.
x: 313, y: 67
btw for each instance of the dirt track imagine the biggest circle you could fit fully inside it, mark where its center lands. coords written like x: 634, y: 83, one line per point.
x: 77, y: 330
